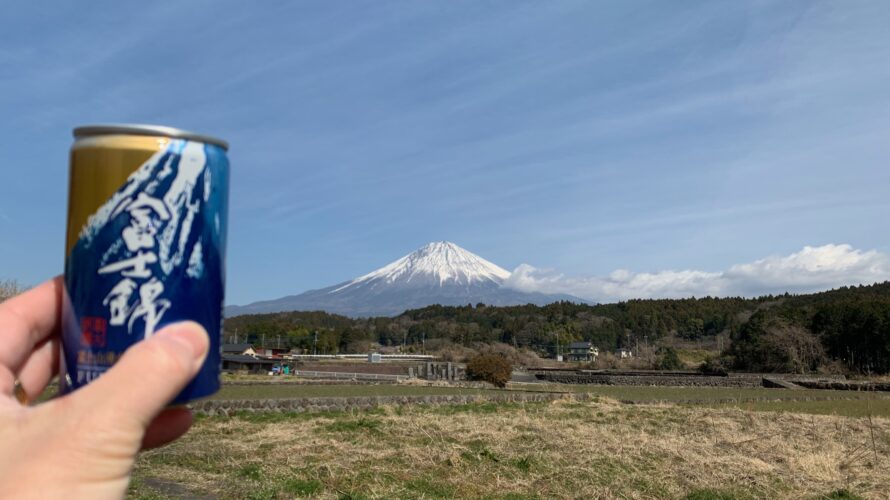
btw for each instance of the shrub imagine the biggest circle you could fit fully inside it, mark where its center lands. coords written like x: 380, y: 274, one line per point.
x: 669, y: 360
x: 716, y: 365
x: 490, y: 368
x: 773, y: 344
x: 516, y: 357
x: 606, y: 361
x: 447, y: 350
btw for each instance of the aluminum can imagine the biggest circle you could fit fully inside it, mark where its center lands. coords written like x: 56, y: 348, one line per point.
x: 145, y: 246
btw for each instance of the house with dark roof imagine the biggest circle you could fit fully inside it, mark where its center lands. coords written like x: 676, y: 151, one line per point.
x: 244, y: 349
x: 271, y: 351
x: 582, y: 351
x: 243, y: 362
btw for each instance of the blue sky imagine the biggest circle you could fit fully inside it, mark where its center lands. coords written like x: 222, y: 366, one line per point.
x: 577, y: 137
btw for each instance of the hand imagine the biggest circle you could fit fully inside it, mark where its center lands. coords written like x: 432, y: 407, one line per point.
x: 83, y: 445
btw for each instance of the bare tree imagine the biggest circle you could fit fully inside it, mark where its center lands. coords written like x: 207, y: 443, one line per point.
x: 10, y: 288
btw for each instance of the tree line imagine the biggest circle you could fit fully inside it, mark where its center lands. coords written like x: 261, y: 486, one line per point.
x: 845, y: 328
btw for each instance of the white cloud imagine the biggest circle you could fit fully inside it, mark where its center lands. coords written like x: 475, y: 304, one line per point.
x: 809, y: 270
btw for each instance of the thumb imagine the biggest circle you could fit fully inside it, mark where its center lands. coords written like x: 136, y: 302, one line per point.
x: 148, y: 376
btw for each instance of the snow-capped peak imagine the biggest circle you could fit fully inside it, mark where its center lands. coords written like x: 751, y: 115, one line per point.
x: 441, y: 261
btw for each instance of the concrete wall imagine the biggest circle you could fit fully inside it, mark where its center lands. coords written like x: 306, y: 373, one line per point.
x: 439, y: 371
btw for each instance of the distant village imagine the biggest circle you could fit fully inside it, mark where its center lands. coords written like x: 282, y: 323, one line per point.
x: 388, y: 364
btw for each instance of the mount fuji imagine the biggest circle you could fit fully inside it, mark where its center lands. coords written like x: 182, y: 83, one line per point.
x: 439, y: 273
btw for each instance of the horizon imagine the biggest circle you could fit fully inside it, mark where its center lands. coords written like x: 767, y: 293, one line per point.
x: 528, y: 279
x: 643, y: 150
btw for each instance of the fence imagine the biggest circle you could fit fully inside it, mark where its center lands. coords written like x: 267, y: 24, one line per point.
x: 347, y: 375
x: 393, y: 357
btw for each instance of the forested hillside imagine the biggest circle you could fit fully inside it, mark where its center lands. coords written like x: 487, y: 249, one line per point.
x: 845, y: 328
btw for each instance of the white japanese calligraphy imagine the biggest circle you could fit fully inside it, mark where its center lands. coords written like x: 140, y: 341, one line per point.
x: 134, y: 267
x: 118, y: 301
x: 143, y: 227
x: 155, y: 238
x: 150, y: 306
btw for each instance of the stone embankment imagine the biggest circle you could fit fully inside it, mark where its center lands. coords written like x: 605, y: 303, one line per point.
x: 301, y: 381
x: 298, y: 405
x: 650, y: 378
x: 844, y: 385
x: 695, y: 379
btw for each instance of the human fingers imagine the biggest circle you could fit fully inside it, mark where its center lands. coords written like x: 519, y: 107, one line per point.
x: 26, y: 320
x: 40, y: 367
x: 7, y: 381
x: 169, y: 425
x: 147, y: 377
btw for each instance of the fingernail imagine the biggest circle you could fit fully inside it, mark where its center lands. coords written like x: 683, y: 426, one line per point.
x: 190, y: 336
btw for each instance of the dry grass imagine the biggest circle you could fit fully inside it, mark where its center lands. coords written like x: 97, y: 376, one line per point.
x: 282, y: 391
x: 561, y: 450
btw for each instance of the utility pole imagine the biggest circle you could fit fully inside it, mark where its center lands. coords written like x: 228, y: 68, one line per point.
x: 423, y: 342
x: 236, y: 335
x: 315, y: 344
x: 557, y: 345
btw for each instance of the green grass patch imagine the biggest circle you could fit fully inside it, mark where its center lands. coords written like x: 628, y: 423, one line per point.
x: 350, y: 426
x: 610, y: 470
x: 137, y: 490
x: 479, y: 452
x: 351, y: 495
x: 718, y: 394
x: 480, y: 408
x: 524, y: 464
x: 198, y: 460
x: 842, y: 494
x: 263, y: 493
x: 712, y: 494
x: 428, y: 488
x: 251, y: 471
x: 846, y: 408
x: 302, y: 487
x: 271, y: 417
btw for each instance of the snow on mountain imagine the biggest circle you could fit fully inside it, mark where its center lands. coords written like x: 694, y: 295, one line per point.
x: 438, y: 273
x: 440, y: 261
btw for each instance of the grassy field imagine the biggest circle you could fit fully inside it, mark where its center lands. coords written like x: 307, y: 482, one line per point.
x: 846, y: 403
x: 705, y: 394
x: 594, y: 449
x: 810, y: 401
x: 859, y: 408
x: 283, y: 391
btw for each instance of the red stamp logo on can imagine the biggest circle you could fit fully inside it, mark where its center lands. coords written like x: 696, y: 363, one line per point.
x: 92, y: 331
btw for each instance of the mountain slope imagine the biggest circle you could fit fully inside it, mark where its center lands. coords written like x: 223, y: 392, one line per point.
x: 439, y: 273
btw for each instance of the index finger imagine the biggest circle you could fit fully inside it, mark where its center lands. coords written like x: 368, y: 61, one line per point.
x: 28, y: 319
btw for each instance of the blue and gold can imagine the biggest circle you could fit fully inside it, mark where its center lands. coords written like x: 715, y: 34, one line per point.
x: 145, y: 246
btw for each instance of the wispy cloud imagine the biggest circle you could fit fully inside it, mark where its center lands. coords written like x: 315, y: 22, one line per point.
x: 646, y: 135
x: 811, y: 269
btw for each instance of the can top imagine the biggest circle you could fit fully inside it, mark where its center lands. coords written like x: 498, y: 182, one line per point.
x: 139, y: 129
